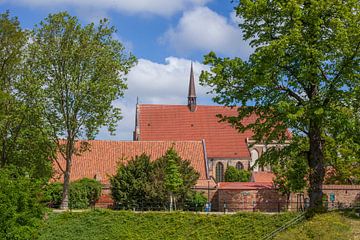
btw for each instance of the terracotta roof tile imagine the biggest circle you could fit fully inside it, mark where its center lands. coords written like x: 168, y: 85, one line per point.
x: 262, y: 177
x: 244, y: 186
x: 103, y: 157
x: 176, y: 122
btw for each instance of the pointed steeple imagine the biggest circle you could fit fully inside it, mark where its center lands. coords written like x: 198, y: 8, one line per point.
x: 192, y: 93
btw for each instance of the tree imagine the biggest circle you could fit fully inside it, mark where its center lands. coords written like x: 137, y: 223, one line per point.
x: 131, y: 185
x: 145, y: 184
x: 79, y: 71
x: 173, y: 179
x: 289, y: 166
x: 342, y: 149
x: 305, y: 67
x: 23, y: 141
x: 164, y: 168
x: 233, y: 174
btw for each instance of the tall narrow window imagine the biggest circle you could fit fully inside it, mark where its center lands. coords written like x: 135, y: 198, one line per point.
x: 219, y: 172
x: 239, y: 166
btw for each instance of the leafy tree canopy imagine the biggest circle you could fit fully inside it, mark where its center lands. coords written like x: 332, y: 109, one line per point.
x: 24, y: 140
x: 303, y: 72
x: 77, y: 72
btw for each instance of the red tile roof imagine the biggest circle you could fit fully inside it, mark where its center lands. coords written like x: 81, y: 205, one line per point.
x: 176, y: 122
x: 103, y: 157
x: 244, y: 186
x: 262, y: 177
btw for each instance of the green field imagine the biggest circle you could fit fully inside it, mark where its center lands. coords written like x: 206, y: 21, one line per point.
x: 329, y: 226
x: 106, y: 224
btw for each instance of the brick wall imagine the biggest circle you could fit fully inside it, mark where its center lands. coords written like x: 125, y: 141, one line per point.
x: 266, y: 200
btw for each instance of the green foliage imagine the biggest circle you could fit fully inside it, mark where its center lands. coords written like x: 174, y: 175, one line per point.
x: 173, y: 180
x: 232, y: 174
x: 23, y: 137
x: 77, y: 72
x: 143, y: 184
x: 83, y: 193
x: 101, y: 224
x: 195, y: 201
x: 342, y: 150
x: 302, y: 75
x: 188, y: 174
x: 289, y: 166
x: 53, y: 194
x: 131, y: 186
x: 20, y: 208
x: 323, y: 226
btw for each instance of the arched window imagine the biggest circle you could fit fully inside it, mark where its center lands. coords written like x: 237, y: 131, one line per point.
x: 219, y: 172
x: 239, y: 166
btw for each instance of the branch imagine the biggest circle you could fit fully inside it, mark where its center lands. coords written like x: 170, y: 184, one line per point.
x: 323, y: 73
x: 332, y: 84
x: 291, y: 93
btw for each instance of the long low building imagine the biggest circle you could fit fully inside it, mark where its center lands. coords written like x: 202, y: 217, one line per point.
x: 100, y: 161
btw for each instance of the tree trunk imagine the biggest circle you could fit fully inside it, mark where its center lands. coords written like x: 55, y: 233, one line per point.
x: 316, y: 164
x: 65, y: 195
x: 171, y: 202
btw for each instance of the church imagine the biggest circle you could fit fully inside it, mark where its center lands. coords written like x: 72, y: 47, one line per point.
x: 196, y: 134
x: 225, y: 146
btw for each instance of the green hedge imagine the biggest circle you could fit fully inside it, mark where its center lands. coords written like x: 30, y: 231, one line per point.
x: 21, y: 210
x: 83, y: 193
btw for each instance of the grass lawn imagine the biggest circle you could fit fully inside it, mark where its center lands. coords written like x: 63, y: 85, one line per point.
x: 329, y: 226
x: 107, y: 224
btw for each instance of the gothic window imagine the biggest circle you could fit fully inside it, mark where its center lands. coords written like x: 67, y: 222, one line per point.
x: 219, y: 172
x: 239, y: 166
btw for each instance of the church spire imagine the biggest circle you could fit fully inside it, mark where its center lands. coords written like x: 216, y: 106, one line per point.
x: 192, y: 93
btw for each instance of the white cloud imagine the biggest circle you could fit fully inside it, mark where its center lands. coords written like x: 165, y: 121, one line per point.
x: 157, y: 7
x: 156, y: 83
x: 204, y: 29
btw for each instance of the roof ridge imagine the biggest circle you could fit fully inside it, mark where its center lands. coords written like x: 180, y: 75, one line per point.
x: 141, y: 141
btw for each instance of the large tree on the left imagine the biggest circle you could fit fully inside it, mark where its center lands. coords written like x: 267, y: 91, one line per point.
x: 78, y: 71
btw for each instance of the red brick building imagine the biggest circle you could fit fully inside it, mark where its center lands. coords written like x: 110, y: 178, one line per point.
x: 224, y: 144
x: 101, y: 160
x: 211, y: 146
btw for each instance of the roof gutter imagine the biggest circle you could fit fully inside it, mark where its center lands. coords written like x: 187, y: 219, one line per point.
x: 205, y: 158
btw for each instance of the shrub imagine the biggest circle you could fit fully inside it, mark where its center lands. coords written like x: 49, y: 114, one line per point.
x: 21, y: 210
x: 236, y: 175
x: 148, y: 185
x: 83, y: 193
x: 53, y: 194
x: 195, y: 201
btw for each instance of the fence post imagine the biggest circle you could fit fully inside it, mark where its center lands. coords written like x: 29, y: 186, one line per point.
x: 278, y: 206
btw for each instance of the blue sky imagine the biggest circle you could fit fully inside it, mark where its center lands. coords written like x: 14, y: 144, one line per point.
x: 165, y: 36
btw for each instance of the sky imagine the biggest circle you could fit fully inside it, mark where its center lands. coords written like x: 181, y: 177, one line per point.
x: 164, y: 35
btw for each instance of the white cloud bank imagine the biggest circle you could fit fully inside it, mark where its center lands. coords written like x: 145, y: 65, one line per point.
x: 157, y: 7
x: 156, y: 83
x: 204, y: 29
